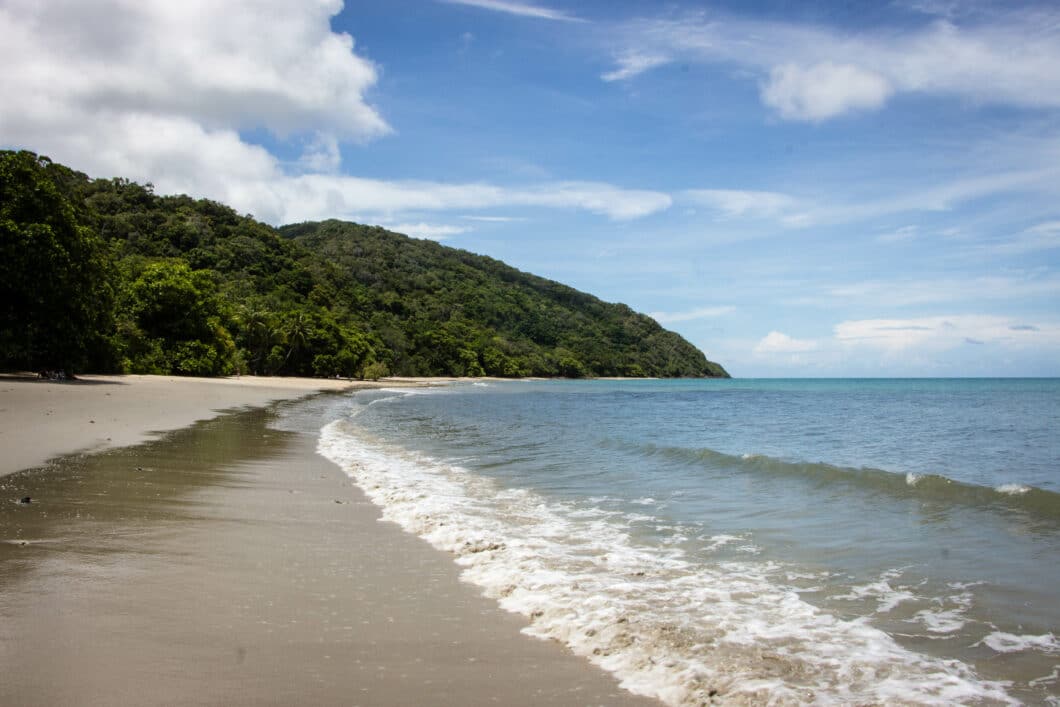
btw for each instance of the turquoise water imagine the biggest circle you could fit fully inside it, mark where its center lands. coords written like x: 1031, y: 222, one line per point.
x: 797, y: 541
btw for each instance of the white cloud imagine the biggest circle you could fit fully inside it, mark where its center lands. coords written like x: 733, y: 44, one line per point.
x: 1044, y: 236
x: 494, y: 219
x: 286, y: 199
x: 942, y: 333
x: 633, y: 64
x: 740, y: 203
x: 814, y: 72
x: 938, y: 197
x: 823, y: 90
x: 777, y: 343
x: 160, y: 91
x: 241, y: 64
x: 898, y: 235
x: 687, y: 316
x: 434, y: 232
x: 522, y: 9
x: 903, y: 293
x: 321, y: 154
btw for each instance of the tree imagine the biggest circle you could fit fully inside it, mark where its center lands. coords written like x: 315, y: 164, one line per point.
x: 180, y: 320
x: 56, y: 297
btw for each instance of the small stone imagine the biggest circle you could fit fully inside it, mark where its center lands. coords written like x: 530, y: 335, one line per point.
x: 26, y: 500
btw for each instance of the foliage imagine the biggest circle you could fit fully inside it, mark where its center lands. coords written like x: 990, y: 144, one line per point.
x: 171, y: 284
x: 442, y: 311
x: 56, y: 296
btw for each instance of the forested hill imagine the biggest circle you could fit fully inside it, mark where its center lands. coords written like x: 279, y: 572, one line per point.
x: 440, y: 308
x: 103, y: 274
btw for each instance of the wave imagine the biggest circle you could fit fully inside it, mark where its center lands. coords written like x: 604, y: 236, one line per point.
x: 679, y: 631
x: 1035, y: 502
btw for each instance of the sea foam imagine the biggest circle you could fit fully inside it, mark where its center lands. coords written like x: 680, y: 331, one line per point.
x: 681, y: 632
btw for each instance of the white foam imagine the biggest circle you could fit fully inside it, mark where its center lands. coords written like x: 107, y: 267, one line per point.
x: 1052, y: 677
x: 666, y: 627
x: 1012, y: 489
x: 912, y: 479
x: 1002, y: 642
x: 950, y: 616
x: 887, y: 597
x: 718, y: 541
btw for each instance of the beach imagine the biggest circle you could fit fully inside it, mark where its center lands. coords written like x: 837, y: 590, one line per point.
x: 179, y: 548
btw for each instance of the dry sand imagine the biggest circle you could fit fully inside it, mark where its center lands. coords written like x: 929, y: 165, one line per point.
x: 43, y: 419
x: 228, y: 563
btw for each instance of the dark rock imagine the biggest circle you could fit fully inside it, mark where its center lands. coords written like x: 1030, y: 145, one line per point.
x: 26, y: 500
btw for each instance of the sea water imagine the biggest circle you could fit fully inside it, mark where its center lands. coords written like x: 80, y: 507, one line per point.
x: 743, y: 541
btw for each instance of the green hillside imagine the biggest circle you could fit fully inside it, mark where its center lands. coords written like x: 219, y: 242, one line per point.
x: 143, y: 283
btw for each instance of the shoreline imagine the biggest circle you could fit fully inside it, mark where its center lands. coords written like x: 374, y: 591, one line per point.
x: 227, y: 562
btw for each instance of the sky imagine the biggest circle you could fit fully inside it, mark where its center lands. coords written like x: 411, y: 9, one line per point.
x: 799, y: 189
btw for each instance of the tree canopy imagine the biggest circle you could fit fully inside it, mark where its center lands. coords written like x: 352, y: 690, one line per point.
x: 105, y: 274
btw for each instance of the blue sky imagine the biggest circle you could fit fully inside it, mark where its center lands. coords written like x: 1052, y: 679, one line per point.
x: 805, y: 189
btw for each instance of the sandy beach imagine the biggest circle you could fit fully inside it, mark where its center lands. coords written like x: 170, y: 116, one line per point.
x: 41, y: 419
x: 225, y: 562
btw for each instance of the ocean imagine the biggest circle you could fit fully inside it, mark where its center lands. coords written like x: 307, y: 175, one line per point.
x: 743, y: 541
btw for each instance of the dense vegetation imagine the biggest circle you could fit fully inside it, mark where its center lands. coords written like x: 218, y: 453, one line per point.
x: 103, y: 274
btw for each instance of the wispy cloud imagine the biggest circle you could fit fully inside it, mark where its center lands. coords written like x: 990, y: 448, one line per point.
x: 522, y: 9
x: 1044, y: 236
x: 494, y: 219
x: 691, y: 315
x: 803, y: 211
x: 286, y: 199
x: 431, y: 231
x: 633, y: 64
x: 742, y: 203
x: 899, y: 235
x: 944, y: 332
x: 912, y: 292
x: 815, y: 72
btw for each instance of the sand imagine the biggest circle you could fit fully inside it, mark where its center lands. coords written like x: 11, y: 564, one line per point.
x: 43, y: 419
x: 228, y: 563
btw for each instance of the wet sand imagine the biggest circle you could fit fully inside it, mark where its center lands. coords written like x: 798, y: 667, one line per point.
x: 228, y: 563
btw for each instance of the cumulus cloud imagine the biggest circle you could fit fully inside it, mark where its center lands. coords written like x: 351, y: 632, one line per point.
x: 165, y: 92
x: 777, y: 343
x: 823, y: 90
x: 242, y: 64
x: 815, y: 72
